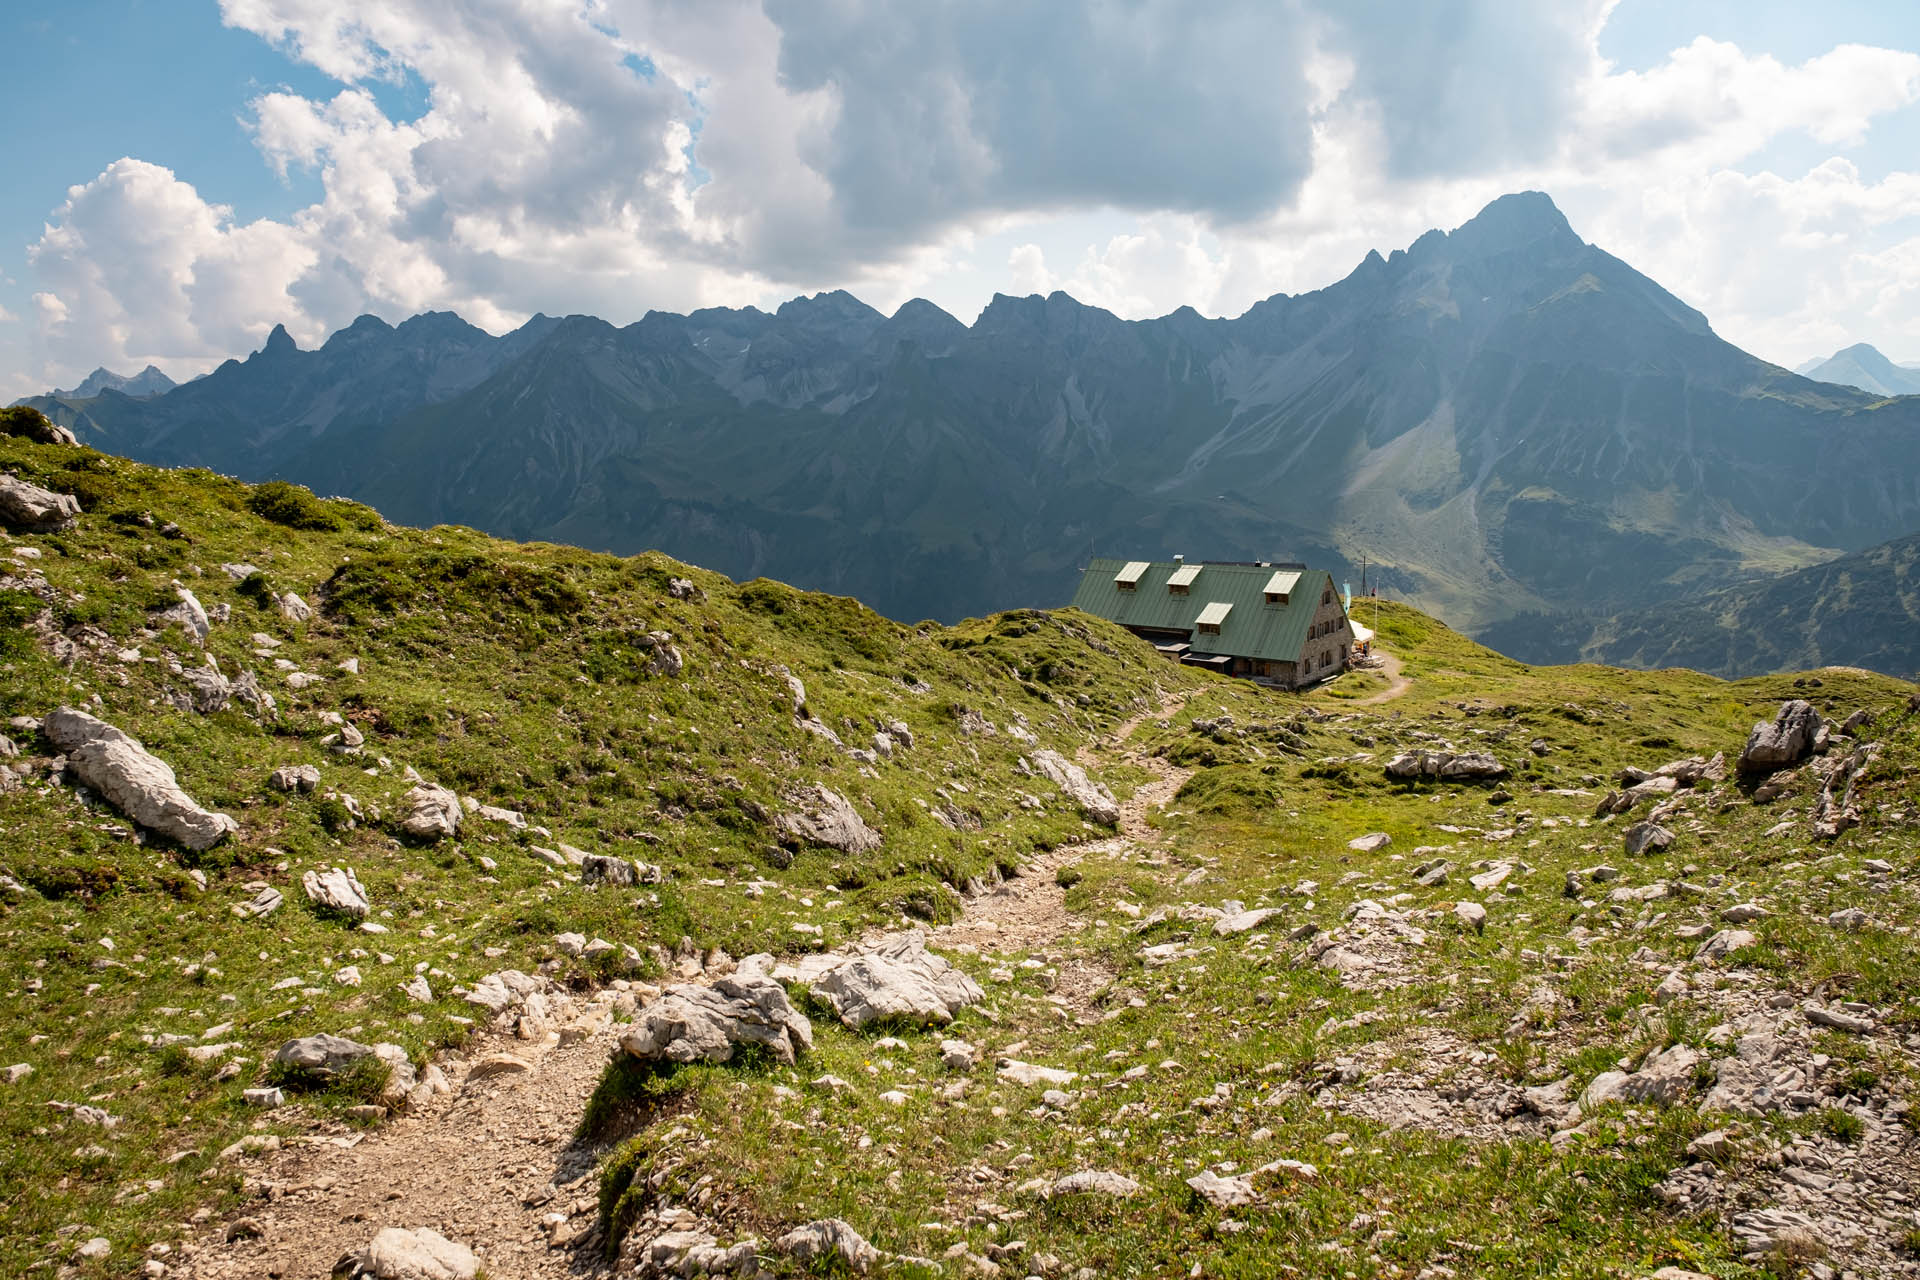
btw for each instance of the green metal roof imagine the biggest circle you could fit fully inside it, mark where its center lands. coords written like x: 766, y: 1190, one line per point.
x: 1252, y: 628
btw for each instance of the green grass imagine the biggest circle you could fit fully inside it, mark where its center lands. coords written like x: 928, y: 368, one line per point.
x: 522, y: 676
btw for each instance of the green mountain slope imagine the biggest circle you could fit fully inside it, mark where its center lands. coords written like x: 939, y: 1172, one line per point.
x: 1225, y: 981
x: 1860, y: 610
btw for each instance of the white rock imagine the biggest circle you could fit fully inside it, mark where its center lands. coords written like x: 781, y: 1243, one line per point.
x: 337, y: 889
x: 1723, y: 944
x: 692, y: 1023
x: 1095, y: 801
x: 896, y: 977
x: 830, y: 1238
x: 28, y: 506
x: 1371, y: 842
x: 1242, y: 921
x: 433, y: 813
x: 822, y: 816
x: 138, y: 784
x: 420, y: 1254
x: 1472, y: 915
x: 1095, y: 1182
x: 1027, y: 1073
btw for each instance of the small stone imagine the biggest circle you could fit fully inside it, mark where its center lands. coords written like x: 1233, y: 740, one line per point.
x: 1472, y: 915
x: 1370, y: 843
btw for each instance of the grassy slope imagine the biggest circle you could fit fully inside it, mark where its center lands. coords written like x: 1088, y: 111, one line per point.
x: 503, y: 683
x: 1264, y: 812
x: 508, y: 673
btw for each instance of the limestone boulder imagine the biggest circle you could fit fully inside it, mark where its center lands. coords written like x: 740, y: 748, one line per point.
x: 1786, y: 741
x: 896, y: 978
x: 337, y: 889
x: 694, y: 1023
x: 135, y: 782
x: 1093, y: 798
x: 827, y: 1241
x: 36, y: 510
x: 819, y: 815
x: 1465, y: 766
x: 433, y: 813
x: 294, y: 777
x: 420, y: 1254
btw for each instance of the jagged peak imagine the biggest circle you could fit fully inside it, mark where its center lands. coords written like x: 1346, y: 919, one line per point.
x: 279, y: 342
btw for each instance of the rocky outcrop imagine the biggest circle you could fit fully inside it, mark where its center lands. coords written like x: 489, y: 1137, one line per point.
x: 1445, y: 766
x: 337, y: 889
x: 135, y: 782
x: 1788, y: 740
x: 692, y: 1023
x: 1095, y: 801
x: 895, y: 978
x: 433, y: 813
x: 28, y: 506
x: 822, y: 816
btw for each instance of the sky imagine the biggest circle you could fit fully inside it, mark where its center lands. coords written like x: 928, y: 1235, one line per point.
x: 182, y: 175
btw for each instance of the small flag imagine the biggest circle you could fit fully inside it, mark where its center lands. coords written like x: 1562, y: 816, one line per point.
x: 1347, y: 587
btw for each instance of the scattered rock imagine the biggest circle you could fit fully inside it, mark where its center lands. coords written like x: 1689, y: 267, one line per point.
x: 294, y: 777
x: 1445, y: 765
x: 265, y: 901
x: 28, y: 506
x: 31, y: 424
x: 138, y: 784
x: 1243, y: 921
x: 595, y: 869
x: 1663, y: 1079
x: 433, y: 813
x: 955, y: 1055
x: 1095, y: 1182
x: 1647, y: 837
x: 420, y: 1254
x: 186, y: 612
x: 1029, y: 1074
x: 1723, y: 944
x: 293, y: 608
x: 1472, y: 915
x: 1781, y: 1233
x: 1370, y: 843
x: 337, y: 889
x: 1223, y: 1193
x: 896, y: 977
x: 824, y: 817
x: 1095, y: 801
x: 1838, y: 1019
x: 1786, y: 741
x: 691, y: 1023
x: 830, y: 1238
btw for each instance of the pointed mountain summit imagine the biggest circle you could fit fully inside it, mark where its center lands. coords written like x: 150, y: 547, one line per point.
x: 1509, y: 422
x: 1861, y: 365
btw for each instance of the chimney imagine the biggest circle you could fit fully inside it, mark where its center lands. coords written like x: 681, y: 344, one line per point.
x: 1178, y: 558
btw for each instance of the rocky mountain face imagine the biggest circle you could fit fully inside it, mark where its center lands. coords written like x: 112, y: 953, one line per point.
x: 1863, y: 367
x: 1503, y: 419
x: 1861, y: 610
x: 148, y: 382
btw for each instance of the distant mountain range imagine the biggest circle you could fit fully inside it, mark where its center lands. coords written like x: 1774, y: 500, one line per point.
x: 1861, y: 365
x: 148, y: 382
x: 1504, y: 420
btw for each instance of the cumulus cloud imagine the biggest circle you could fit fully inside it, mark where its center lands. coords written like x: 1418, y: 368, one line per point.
x: 618, y: 155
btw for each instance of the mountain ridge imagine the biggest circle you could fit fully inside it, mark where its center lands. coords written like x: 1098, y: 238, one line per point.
x: 1863, y: 367
x: 1503, y: 418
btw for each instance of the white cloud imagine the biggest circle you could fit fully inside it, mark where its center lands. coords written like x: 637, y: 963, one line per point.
x: 613, y: 156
